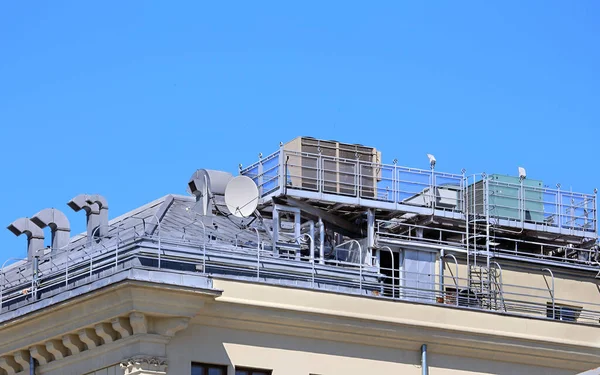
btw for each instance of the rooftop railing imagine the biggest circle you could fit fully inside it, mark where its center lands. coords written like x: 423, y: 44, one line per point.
x: 346, y: 270
x: 501, y: 246
x: 396, y: 187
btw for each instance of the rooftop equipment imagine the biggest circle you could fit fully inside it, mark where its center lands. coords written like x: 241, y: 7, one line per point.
x: 205, y: 184
x: 96, y: 209
x: 241, y: 196
x: 58, y: 223
x: 35, y: 235
x: 509, y: 197
x: 341, y: 163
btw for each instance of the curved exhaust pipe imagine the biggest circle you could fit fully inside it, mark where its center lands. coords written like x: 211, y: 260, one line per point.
x: 35, y: 235
x: 96, y: 209
x: 58, y: 223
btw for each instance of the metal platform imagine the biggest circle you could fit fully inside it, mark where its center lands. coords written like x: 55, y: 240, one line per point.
x: 424, y: 192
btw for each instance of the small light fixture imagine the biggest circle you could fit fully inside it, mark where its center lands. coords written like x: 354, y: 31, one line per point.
x: 522, y: 173
x: 431, y: 160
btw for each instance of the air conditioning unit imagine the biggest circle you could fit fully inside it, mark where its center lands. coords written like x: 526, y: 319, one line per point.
x: 332, y: 167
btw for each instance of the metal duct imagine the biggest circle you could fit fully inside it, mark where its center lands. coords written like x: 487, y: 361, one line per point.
x: 58, y: 223
x: 205, y: 183
x: 35, y: 235
x: 92, y: 211
x: 103, y: 215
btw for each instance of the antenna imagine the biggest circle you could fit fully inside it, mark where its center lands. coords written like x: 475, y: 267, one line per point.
x: 241, y: 196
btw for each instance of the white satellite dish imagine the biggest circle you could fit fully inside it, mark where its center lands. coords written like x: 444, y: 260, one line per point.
x: 241, y: 196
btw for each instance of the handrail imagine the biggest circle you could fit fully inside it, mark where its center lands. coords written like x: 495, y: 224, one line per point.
x: 455, y: 278
x: 501, y: 283
x: 552, y: 293
x: 519, y: 299
x: 360, y: 264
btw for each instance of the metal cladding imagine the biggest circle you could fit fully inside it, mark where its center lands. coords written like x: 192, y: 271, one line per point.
x: 58, y: 223
x: 97, y: 217
x: 35, y: 235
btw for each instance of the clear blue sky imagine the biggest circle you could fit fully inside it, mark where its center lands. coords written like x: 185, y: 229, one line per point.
x: 127, y: 99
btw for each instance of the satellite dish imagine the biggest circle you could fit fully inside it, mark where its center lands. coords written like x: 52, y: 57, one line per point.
x: 241, y: 196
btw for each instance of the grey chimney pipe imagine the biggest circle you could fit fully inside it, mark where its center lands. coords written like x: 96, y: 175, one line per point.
x: 103, y: 215
x: 92, y: 211
x: 58, y: 223
x: 35, y: 235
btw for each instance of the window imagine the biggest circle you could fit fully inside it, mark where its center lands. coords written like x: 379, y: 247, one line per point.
x: 562, y: 312
x: 207, y: 369
x: 251, y: 371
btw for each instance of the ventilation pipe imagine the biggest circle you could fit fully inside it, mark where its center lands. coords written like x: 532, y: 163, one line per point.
x: 370, y: 236
x: 204, y: 184
x: 35, y: 235
x: 321, y: 241
x: 92, y: 211
x: 58, y: 223
x: 103, y: 215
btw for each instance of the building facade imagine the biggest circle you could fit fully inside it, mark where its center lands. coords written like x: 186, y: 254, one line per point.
x: 317, y: 259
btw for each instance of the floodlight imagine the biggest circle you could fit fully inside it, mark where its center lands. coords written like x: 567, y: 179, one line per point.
x: 431, y: 160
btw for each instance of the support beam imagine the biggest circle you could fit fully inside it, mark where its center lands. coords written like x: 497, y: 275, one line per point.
x: 106, y: 332
x: 9, y: 365
x: 22, y: 358
x: 73, y: 343
x: 122, y: 326
x: 40, y: 353
x: 89, y: 337
x: 337, y: 223
x: 57, y: 349
x: 138, y: 322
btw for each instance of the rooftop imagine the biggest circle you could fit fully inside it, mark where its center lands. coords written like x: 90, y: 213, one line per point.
x: 325, y: 216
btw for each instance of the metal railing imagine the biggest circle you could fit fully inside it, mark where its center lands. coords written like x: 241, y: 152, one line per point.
x: 251, y: 258
x: 500, y: 246
x: 391, y: 184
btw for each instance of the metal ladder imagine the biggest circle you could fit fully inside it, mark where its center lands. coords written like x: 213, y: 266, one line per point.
x: 482, y: 279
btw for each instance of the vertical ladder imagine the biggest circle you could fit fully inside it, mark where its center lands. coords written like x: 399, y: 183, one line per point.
x: 481, y: 279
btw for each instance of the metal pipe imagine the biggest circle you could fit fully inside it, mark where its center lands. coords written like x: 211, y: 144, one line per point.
x: 370, y: 234
x: 311, y: 233
x: 321, y: 241
x: 34, y: 281
x: 424, y: 367
x: 441, y: 272
x: 552, y: 292
x: 31, y: 365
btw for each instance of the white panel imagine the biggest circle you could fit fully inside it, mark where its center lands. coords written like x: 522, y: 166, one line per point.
x: 419, y: 275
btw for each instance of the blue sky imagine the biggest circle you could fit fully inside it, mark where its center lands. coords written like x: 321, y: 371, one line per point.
x: 127, y: 99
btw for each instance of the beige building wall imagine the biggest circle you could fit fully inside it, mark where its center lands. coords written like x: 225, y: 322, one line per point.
x: 288, y: 355
x: 535, y: 285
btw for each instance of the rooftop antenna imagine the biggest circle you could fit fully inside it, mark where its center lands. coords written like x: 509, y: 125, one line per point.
x: 241, y: 196
x: 431, y: 161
